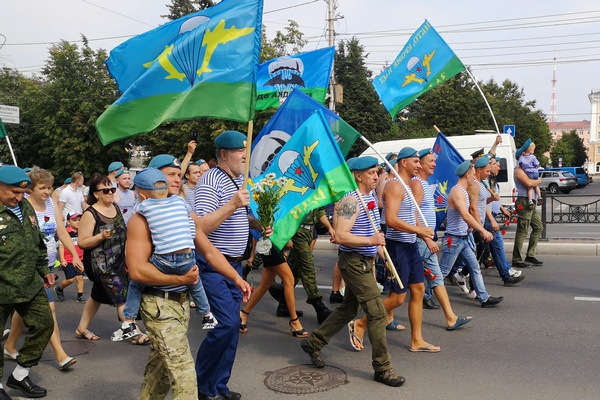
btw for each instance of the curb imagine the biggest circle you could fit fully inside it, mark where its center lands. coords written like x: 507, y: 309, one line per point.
x: 557, y: 247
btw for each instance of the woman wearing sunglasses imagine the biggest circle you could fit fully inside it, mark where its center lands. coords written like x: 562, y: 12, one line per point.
x: 102, y: 234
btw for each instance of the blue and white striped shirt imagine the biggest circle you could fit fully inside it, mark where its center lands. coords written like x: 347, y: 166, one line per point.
x: 496, y: 204
x: 484, y: 194
x: 428, y: 203
x: 171, y: 227
x: 455, y: 224
x: 212, y: 192
x: 362, y: 225
x: 405, y: 213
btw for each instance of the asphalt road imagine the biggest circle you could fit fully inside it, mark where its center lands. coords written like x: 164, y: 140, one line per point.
x: 540, y: 343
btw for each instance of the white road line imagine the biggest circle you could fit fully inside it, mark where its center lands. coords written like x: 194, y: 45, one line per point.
x: 587, y: 298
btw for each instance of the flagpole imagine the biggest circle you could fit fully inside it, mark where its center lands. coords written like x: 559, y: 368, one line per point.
x: 388, y: 259
x: 406, y: 189
x: 484, y: 99
x: 248, y: 151
x: 11, y: 150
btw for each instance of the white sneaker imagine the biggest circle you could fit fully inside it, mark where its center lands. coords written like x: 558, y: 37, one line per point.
x: 461, y: 281
x: 124, y: 334
x: 515, y: 272
x: 209, y: 321
x: 5, y: 334
x: 471, y: 295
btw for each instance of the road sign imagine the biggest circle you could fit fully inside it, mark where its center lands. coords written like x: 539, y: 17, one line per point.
x: 9, y: 114
x: 559, y: 162
x: 509, y: 130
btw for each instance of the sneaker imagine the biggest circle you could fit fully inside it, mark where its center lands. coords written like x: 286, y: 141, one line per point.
x: 336, y: 297
x: 513, y: 280
x: 515, y: 272
x: 192, y: 304
x: 124, y: 333
x: 209, y: 321
x: 472, y: 295
x: 60, y: 295
x: 389, y: 377
x: 488, y: 263
x: 81, y: 299
x: 540, y: 201
x: 461, y: 281
x: 531, y: 205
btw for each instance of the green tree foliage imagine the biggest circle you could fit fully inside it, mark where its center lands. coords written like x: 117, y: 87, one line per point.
x: 181, y: 8
x: 362, y: 108
x: 284, y: 43
x: 570, y: 148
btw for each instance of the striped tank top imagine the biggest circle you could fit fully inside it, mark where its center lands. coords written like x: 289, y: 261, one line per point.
x: 362, y: 225
x: 407, y: 214
x: 427, y: 204
x: 484, y: 193
x: 455, y: 224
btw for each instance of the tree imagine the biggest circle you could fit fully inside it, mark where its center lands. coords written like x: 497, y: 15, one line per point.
x: 362, y: 108
x: 181, y: 8
x: 570, y: 148
x: 290, y: 42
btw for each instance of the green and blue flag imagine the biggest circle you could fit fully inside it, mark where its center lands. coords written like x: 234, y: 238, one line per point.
x: 425, y: 61
x: 201, y: 65
x: 310, y: 72
x: 2, y: 130
x: 316, y: 173
x: 286, y: 120
x: 444, y: 177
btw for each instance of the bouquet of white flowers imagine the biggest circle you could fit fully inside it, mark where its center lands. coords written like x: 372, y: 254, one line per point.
x: 266, y: 193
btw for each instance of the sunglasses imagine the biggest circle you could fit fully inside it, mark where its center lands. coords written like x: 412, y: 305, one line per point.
x: 107, y: 190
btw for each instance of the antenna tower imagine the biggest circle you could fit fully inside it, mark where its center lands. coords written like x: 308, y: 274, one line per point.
x: 553, y: 97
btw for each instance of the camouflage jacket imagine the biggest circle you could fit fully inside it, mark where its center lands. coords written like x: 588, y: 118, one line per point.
x: 23, y: 257
x: 313, y: 217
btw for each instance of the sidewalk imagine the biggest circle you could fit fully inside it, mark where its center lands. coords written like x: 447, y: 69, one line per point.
x: 560, y: 247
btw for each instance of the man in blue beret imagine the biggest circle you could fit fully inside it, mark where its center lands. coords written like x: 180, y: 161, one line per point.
x: 458, y: 243
x: 23, y: 276
x: 480, y: 192
x: 113, y: 169
x: 428, y: 247
x: 222, y: 203
x: 359, y: 242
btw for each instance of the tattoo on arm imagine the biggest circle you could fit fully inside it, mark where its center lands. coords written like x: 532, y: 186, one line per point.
x: 346, y: 210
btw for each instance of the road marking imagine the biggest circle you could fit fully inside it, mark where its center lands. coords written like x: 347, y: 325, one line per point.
x: 587, y: 298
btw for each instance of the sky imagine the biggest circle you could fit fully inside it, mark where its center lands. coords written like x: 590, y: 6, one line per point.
x: 514, y: 40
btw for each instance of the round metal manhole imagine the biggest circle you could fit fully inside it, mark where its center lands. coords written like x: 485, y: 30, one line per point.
x: 303, y: 379
x: 73, y: 348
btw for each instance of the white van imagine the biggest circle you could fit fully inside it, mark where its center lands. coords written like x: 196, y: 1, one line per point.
x: 466, y: 145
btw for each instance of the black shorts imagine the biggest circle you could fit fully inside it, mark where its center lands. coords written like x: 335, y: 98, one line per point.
x: 273, y: 259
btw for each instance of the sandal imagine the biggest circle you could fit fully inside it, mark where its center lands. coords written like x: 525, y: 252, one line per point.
x: 300, y: 333
x: 243, y: 327
x: 86, y: 335
x: 140, y: 340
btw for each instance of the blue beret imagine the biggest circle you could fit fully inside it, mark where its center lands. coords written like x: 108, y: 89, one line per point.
x: 350, y: 161
x: 424, y: 152
x: 231, y: 140
x: 482, y: 161
x: 388, y: 156
x: 67, y: 181
x: 392, y: 163
x: 463, y: 168
x: 523, y: 148
x: 200, y: 162
x: 164, y: 160
x: 121, y: 172
x: 407, y: 152
x: 115, y: 165
x: 362, y: 163
x: 14, y: 176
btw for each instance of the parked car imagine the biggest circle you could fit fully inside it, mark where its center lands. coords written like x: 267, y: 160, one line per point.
x: 555, y: 181
x: 578, y: 172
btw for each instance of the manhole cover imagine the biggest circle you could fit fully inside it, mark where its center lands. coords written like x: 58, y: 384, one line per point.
x: 302, y: 379
x: 73, y: 348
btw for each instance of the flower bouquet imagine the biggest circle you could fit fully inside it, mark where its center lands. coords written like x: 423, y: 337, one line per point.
x: 266, y: 193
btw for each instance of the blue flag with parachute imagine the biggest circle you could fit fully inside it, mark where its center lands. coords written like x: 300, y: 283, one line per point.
x: 444, y: 176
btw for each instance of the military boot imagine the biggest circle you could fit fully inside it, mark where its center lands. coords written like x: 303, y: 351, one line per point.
x: 322, y: 311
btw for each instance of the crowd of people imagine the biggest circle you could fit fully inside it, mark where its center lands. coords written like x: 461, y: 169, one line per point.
x: 177, y: 235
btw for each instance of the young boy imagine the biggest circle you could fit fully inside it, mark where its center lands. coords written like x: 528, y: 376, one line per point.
x: 173, y: 233
x: 66, y: 262
x: 530, y: 164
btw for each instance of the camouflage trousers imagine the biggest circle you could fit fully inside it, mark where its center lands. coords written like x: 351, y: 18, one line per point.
x: 170, y: 362
x: 302, y: 263
x: 37, y: 317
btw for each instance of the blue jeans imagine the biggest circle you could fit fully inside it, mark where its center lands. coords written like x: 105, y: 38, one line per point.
x: 430, y: 261
x: 497, y: 251
x: 462, y: 248
x: 175, y: 264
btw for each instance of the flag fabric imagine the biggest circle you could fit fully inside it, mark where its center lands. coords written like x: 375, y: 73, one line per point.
x: 309, y: 71
x: 200, y: 65
x: 2, y: 130
x: 425, y: 61
x: 444, y: 177
x: 317, y: 176
x: 287, y: 119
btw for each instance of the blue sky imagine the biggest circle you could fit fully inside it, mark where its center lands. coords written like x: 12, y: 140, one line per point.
x: 509, y: 39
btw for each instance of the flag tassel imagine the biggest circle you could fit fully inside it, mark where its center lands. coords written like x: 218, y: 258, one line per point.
x: 388, y: 260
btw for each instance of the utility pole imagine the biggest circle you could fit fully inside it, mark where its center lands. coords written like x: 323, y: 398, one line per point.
x: 331, y: 43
